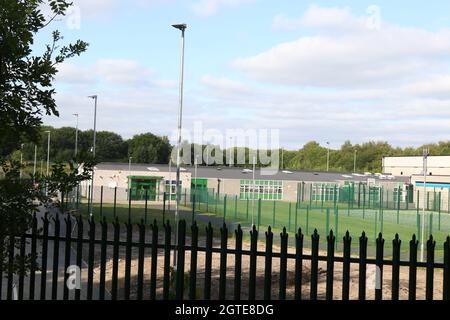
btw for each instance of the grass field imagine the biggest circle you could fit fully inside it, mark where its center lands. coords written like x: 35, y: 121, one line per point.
x: 278, y: 215
x: 390, y: 222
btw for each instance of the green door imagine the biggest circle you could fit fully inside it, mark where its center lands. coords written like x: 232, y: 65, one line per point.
x: 140, y: 185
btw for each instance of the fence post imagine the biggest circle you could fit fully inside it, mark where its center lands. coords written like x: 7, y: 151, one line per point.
x: 44, y: 258
x: 127, y: 287
x: 167, y: 245
x: 314, y: 264
x: 115, y: 270
x: 103, y: 252
x: 379, y: 264
x: 33, y: 266
x: 140, y: 277
x: 396, y: 243
x: 283, y: 264
x: 252, y: 276
x: 154, y: 258
x: 268, y: 265
x: 346, y: 267
x: 413, y: 244
x: 208, y: 262
x: 430, y: 268
x: 91, y: 258
x: 55, y: 257
x: 193, y: 271
x: 298, y: 264
x: 446, y: 271
x: 179, y: 281
x: 223, y: 262
x: 238, y: 264
x: 79, y: 251
x: 67, y: 255
x: 362, y: 266
x: 330, y: 265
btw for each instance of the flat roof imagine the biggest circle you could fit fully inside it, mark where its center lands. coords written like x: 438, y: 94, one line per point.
x: 238, y: 174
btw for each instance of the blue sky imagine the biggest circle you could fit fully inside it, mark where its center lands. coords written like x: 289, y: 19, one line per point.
x: 324, y: 70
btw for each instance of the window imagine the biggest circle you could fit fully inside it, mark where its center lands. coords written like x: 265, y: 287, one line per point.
x: 262, y: 189
x: 325, y: 192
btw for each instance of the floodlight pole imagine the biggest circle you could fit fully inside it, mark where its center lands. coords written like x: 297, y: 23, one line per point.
x: 426, y: 153
x: 95, y: 97
x: 182, y: 28
x: 354, y: 162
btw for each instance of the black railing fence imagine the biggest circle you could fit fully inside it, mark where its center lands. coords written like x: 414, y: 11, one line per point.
x: 137, y: 262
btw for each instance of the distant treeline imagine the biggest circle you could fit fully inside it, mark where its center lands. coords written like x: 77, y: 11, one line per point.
x: 150, y: 148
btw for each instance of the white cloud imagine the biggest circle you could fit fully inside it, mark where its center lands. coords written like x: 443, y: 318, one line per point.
x: 208, y: 8
x: 112, y: 72
x: 344, y: 52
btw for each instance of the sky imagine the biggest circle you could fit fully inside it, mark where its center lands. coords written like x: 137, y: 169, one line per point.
x: 329, y: 71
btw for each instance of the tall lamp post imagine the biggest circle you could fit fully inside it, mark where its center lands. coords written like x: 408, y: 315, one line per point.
x: 354, y: 162
x: 91, y: 213
x: 182, y: 28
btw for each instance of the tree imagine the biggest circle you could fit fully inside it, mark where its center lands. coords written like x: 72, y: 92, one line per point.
x: 149, y: 148
x: 26, y: 80
x: 26, y: 94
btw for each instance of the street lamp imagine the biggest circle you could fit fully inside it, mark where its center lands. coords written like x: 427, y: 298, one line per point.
x: 328, y: 156
x: 182, y: 28
x: 93, y: 152
x: 354, y: 162
x: 76, y: 136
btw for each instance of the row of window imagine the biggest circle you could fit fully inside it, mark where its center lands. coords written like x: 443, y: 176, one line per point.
x: 261, y: 189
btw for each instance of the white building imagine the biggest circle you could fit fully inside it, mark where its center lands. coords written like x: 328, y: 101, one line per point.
x: 409, y: 166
